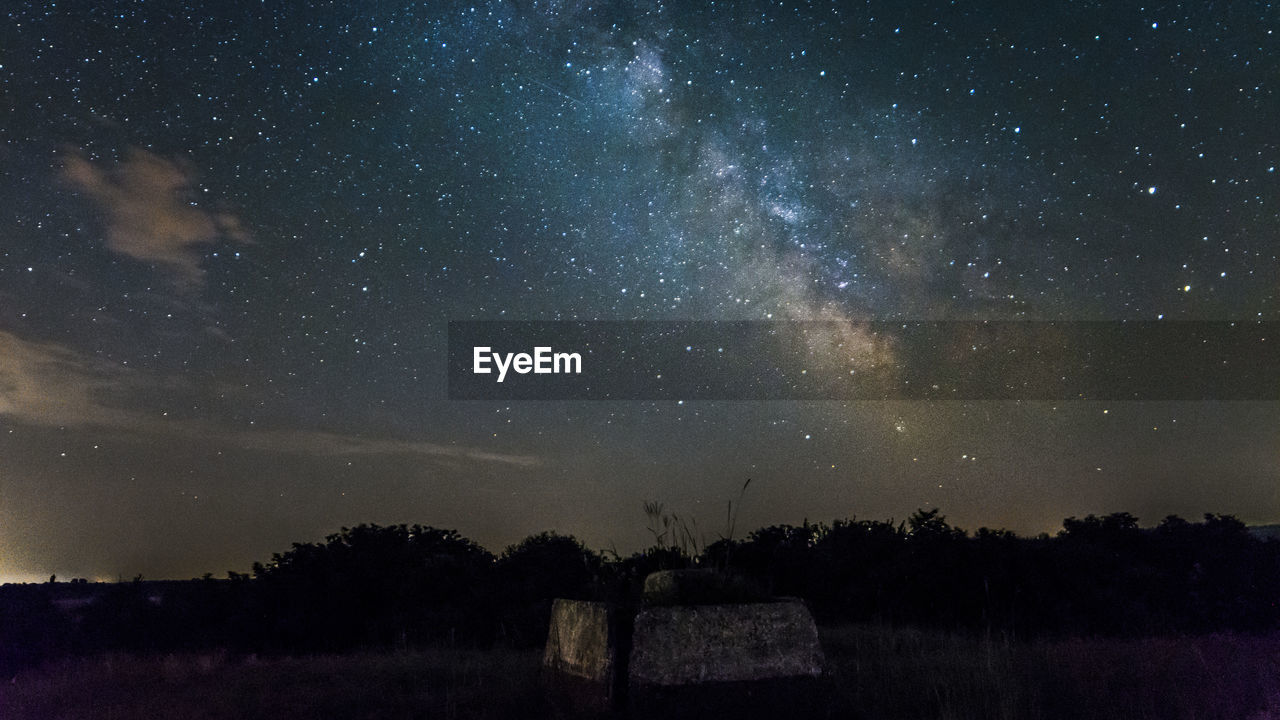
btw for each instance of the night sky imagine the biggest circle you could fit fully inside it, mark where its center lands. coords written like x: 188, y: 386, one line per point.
x: 231, y: 244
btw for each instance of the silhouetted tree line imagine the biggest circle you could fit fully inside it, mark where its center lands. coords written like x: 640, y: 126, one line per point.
x: 1098, y: 576
x: 402, y: 586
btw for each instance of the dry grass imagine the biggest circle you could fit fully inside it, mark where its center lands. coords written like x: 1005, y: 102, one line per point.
x: 873, y: 672
x: 883, y: 673
x: 428, y: 684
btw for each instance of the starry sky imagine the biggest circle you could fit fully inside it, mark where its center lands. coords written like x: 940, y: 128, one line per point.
x: 234, y: 236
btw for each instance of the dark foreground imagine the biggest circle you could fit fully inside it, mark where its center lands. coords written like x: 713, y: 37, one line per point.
x: 872, y: 672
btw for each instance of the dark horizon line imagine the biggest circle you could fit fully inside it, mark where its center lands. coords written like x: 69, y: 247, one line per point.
x: 1273, y: 533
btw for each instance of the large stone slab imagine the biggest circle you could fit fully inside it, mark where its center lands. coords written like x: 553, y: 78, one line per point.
x: 690, y: 652
x: 581, y: 641
x: 691, y: 644
x: 699, y: 587
x: 583, y: 673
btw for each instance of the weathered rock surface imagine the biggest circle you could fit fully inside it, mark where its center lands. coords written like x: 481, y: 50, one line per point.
x: 580, y: 641
x: 699, y: 587
x: 690, y: 652
x: 684, y: 645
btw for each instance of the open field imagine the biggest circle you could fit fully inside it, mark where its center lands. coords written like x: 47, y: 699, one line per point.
x: 879, y: 673
x: 420, y: 684
x: 873, y: 672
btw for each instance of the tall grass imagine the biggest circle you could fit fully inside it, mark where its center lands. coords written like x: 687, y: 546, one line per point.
x: 673, y: 532
x: 879, y: 672
x: 216, y: 686
x: 872, y: 672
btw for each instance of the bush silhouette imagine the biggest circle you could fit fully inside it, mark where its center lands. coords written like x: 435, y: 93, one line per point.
x: 536, y: 571
x: 373, y: 585
x: 397, y: 586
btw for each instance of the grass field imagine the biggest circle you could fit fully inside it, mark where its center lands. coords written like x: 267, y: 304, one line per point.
x: 872, y: 672
x: 424, y: 684
x: 880, y: 673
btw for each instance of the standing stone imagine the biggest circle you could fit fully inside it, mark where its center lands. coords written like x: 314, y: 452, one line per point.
x: 582, y: 653
x: 702, y: 645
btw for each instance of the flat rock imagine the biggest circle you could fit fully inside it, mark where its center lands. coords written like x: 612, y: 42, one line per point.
x: 699, y: 587
x: 690, y: 644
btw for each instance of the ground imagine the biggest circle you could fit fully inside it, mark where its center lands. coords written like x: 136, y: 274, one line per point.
x: 872, y: 672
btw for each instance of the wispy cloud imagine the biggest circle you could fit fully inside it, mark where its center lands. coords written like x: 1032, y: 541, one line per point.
x: 311, y: 442
x: 50, y: 385
x: 149, y: 211
x: 47, y: 384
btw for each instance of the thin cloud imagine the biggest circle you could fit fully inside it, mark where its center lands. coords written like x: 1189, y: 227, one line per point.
x: 149, y: 216
x: 50, y: 385
x: 47, y: 384
x: 310, y: 442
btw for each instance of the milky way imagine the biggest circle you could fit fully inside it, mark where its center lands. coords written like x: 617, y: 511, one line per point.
x: 236, y: 235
